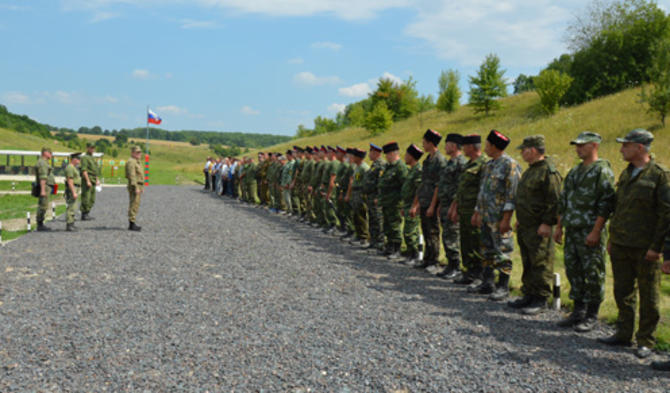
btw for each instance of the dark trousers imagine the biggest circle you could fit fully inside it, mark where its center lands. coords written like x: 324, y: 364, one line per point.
x: 206, y: 180
x: 430, y: 227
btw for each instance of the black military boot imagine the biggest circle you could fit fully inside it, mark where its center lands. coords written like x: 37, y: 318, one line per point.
x: 85, y: 217
x: 468, y: 277
x: 485, y: 286
x: 41, y: 227
x: 450, y: 272
x: 134, y: 227
x: 590, y: 320
x: 576, y: 316
x: 502, y: 288
x: 521, y: 302
x: 538, y: 305
x: 395, y: 255
x: 71, y: 228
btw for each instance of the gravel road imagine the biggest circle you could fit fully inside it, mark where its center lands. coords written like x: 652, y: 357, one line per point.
x: 217, y: 296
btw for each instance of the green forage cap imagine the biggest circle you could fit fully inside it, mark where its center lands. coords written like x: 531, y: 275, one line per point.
x: 587, y: 137
x: 638, y: 135
x: 536, y: 141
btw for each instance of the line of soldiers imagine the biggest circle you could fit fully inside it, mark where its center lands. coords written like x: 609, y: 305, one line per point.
x: 81, y: 176
x: 471, y: 200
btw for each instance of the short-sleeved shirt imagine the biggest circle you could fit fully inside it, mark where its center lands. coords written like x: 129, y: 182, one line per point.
x: 71, y: 172
x: 43, y: 171
x: 89, y: 164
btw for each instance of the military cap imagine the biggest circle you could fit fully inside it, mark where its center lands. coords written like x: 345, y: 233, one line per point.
x: 375, y: 147
x: 586, y: 137
x: 414, y: 151
x: 90, y: 144
x: 349, y: 150
x: 296, y: 148
x: 432, y: 136
x: 315, y: 148
x: 324, y: 149
x: 308, y: 150
x: 75, y: 155
x: 46, y: 149
x: 455, y: 138
x: 498, y: 140
x: 390, y: 147
x: 360, y: 153
x: 471, y: 139
x: 289, y: 152
x: 331, y: 149
x: 536, y: 141
x: 340, y: 149
x: 281, y: 158
x: 638, y: 135
x: 135, y: 149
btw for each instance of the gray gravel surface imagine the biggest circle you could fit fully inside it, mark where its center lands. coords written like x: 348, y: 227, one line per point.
x: 218, y: 296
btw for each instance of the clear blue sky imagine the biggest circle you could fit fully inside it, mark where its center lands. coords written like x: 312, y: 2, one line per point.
x: 252, y: 65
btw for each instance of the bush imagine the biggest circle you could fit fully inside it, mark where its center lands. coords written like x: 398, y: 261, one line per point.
x: 658, y: 96
x: 379, y: 119
x: 551, y: 85
x: 487, y: 86
x: 450, y: 94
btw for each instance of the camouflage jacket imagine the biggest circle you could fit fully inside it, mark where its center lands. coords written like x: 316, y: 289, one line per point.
x: 448, y: 184
x: 537, y: 195
x: 263, y: 170
x: 433, y: 166
x: 588, y: 193
x: 306, y: 172
x: 410, y: 186
x: 342, y: 178
x: 89, y: 164
x: 372, y: 177
x: 641, y: 216
x: 468, y: 185
x: 315, y: 181
x: 360, y: 174
x: 286, y: 173
x: 250, y: 173
x: 497, y: 189
x: 390, y: 184
x: 43, y: 171
x: 329, y: 170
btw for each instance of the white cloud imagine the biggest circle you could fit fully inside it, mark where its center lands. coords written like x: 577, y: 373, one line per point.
x: 141, y: 74
x: 296, y: 60
x: 15, y: 97
x: 102, y: 16
x: 110, y: 99
x: 249, y: 111
x: 171, y: 110
x: 327, y: 45
x: 393, y: 78
x: 198, y: 24
x: 336, y: 108
x: 309, y: 79
x: 356, y: 91
x: 63, y: 97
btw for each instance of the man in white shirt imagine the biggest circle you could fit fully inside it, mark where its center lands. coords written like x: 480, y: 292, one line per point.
x: 208, y: 165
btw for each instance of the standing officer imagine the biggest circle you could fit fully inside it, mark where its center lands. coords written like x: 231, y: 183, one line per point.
x: 135, y: 178
x: 315, y: 183
x: 426, y: 199
x: 305, y: 176
x: 90, y: 171
x: 370, y: 188
x: 637, y: 231
x: 463, y: 208
x: 342, y: 184
x: 72, y: 190
x: 328, y: 189
x: 296, y: 183
x: 357, y: 197
x: 536, y: 214
x: 493, y: 215
x: 407, y: 194
x: 586, y: 202
x: 446, y: 191
x: 45, y: 179
x: 390, y: 199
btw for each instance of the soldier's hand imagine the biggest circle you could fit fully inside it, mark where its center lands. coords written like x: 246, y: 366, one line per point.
x: 43, y: 193
x: 476, y: 220
x: 558, y: 235
x: 88, y: 183
x: 346, y: 199
x: 665, y: 268
x: 138, y: 191
x: 430, y: 212
x: 652, y: 256
x: 413, y: 211
x: 593, y: 239
x: 97, y: 182
x: 504, y: 226
x: 74, y: 195
x: 544, y: 230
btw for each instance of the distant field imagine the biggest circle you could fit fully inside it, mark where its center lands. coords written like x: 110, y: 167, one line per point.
x: 152, y: 142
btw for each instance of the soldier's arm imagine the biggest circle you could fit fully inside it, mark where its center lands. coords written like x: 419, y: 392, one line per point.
x: 663, y: 222
x: 70, y: 185
x: 550, y: 214
x: 513, y: 176
x: 605, y: 193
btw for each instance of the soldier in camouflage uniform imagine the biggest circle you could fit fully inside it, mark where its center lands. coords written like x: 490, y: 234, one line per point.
x: 536, y: 214
x: 493, y: 215
x: 343, y: 180
x: 357, y: 197
x: 426, y: 200
x: 315, y: 185
x: 328, y: 188
x: 90, y: 173
x: 638, y: 229
x: 305, y: 176
x: 72, y: 190
x: 390, y: 200
x: 446, y: 191
x: 407, y: 194
x: 45, y: 180
x: 262, y: 179
x: 296, y: 184
x: 251, y: 182
x: 286, y: 179
x: 462, y: 209
x: 370, y: 189
x: 586, y: 202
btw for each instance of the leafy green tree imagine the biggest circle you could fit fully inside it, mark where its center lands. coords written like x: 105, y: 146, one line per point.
x: 303, y: 131
x: 194, y: 141
x: 523, y: 83
x: 379, y: 119
x: 401, y: 99
x: 488, y: 86
x: 356, y: 115
x: 323, y: 125
x: 657, y: 96
x: 450, y: 93
x: 121, y: 139
x: 551, y: 85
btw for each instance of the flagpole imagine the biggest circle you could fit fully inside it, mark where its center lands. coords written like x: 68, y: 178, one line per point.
x: 146, y: 146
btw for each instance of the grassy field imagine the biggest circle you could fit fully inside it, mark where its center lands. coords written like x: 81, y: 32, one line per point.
x: 16, y: 206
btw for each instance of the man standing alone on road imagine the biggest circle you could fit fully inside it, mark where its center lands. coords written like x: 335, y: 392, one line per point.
x: 72, y: 190
x: 90, y: 171
x: 45, y: 180
x: 135, y: 186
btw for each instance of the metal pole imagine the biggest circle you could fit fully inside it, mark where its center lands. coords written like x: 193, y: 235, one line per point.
x: 146, y: 116
x: 28, y: 219
x: 557, y: 291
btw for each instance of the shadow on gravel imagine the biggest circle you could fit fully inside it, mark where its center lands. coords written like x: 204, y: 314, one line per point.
x: 533, y: 339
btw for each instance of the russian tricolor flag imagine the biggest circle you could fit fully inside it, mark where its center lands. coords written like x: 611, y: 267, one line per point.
x: 153, y: 118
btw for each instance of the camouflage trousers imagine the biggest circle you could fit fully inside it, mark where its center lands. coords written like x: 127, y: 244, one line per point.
x: 329, y: 212
x: 296, y: 200
x: 359, y: 214
x: 134, y: 202
x: 392, y: 224
x: 430, y: 227
x: 537, y: 256
x: 375, y: 221
x: 344, y: 215
x: 316, y: 208
x: 496, y: 247
x: 629, y: 267
x: 72, y: 206
x: 471, y: 244
x: 410, y: 231
x: 584, y: 266
x: 87, y: 196
x: 252, y: 191
x: 277, y: 197
x: 450, y: 235
x: 264, y: 195
x: 42, y: 207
